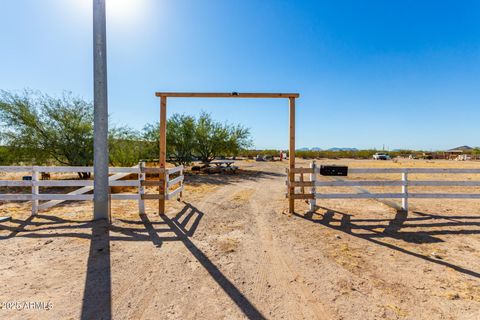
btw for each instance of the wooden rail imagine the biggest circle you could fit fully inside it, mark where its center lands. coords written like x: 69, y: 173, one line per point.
x: 314, y: 184
x: 87, y: 185
x: 225, y: 95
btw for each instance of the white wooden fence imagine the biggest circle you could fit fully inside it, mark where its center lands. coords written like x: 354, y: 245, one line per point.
x: 313, y: 193
x: 174, y: 187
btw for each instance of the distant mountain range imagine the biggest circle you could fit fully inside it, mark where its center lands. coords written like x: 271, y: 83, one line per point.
x: 331, y: 149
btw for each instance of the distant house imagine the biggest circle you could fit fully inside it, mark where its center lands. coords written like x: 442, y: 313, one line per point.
x: 458, y: 151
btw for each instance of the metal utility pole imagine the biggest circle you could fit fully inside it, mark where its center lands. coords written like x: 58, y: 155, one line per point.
x: 100, y: 101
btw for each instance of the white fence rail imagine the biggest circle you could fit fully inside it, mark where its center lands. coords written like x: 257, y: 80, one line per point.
x: 313, y: 185
x: 174, y: 187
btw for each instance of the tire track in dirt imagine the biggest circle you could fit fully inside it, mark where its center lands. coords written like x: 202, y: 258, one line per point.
x: 152, y: 273
x: 152, y: 285
x: 298, y: 298
x: 277, y: 287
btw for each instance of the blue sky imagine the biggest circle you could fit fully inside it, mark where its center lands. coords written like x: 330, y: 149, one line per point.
x: 404, y: 74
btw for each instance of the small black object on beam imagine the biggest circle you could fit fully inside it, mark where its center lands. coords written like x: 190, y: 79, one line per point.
x: 341, y: 171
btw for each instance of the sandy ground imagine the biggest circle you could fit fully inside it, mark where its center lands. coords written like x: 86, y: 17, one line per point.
x: 227, y: 251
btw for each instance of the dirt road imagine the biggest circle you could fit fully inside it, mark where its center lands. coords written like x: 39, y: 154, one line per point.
x: 229, y: 252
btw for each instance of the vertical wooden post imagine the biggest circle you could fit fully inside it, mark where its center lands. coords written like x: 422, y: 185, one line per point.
x: 34, y: 191
x: 405, y: 192
x: 141, y: 188
x: 163, y: 153
x: 167, y: 179
x: 180, y: 195
x: 291, y: 158
x: 302, y: 179
x: 313, y: 178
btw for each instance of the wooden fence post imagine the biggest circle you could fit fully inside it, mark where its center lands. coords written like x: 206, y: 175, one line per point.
x: 34, y: 191
x: 163, y: 154
x: 167, y: 179
x: 405, y: 191
x: 141, y: 188
x: 180, y: 195
x: 291, y: 156
x: 313, y: 178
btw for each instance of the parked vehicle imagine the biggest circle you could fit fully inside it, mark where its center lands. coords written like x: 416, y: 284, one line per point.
x: 260, y: 157
x: 381, y: 156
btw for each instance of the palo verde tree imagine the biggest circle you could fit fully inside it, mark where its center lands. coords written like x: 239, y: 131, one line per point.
x: 38, y: 128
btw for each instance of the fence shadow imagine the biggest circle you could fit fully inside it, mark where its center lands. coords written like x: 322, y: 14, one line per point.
x: 14, y: 230
x: 97, y: 296
x: 365, y: 229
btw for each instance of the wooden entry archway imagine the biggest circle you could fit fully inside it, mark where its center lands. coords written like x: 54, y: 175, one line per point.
x: 163, y: 133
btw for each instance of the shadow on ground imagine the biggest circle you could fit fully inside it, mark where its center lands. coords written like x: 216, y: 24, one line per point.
x: 367, y: 229
x: 97, y: 296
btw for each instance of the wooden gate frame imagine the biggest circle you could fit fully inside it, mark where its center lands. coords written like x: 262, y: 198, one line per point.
x: 163, y: 133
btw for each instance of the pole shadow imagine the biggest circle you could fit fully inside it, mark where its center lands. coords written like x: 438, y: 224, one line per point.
x: 97, y: 295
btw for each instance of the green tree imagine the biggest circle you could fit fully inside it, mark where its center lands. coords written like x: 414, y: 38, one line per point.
x: 213, y: 138
x: 40, y: 127
x: 181, y: 138
x: 202, y: 138
x: 126, y: 146
x: 150, y: 135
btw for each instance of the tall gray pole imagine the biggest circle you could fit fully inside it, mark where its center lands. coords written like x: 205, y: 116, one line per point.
x: 100, y: 101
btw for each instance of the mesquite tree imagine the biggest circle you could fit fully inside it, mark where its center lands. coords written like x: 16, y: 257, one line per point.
x: 202, y: 138
x: 213, y: 138
x: 38, y: 128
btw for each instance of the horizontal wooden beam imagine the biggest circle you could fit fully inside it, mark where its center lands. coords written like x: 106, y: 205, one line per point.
x: 359, y: 195
x: 300, y: 183
x: 225, y: 95
x: 152, y: 196
x: 394, y: 195
x: 151, y: 183
x: 444, y: 195
x: 174, y: 170
x: 413, y: 170
x: 152, y: 170
x: 301, y: 196
x: 172, y: 194
x: 362, y: 183
x: 441, y: 183
x: 299, y: 170
x: 125, y: 196
x: 64, y: 197
x: 63, y: 169
x: 174, y: 181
